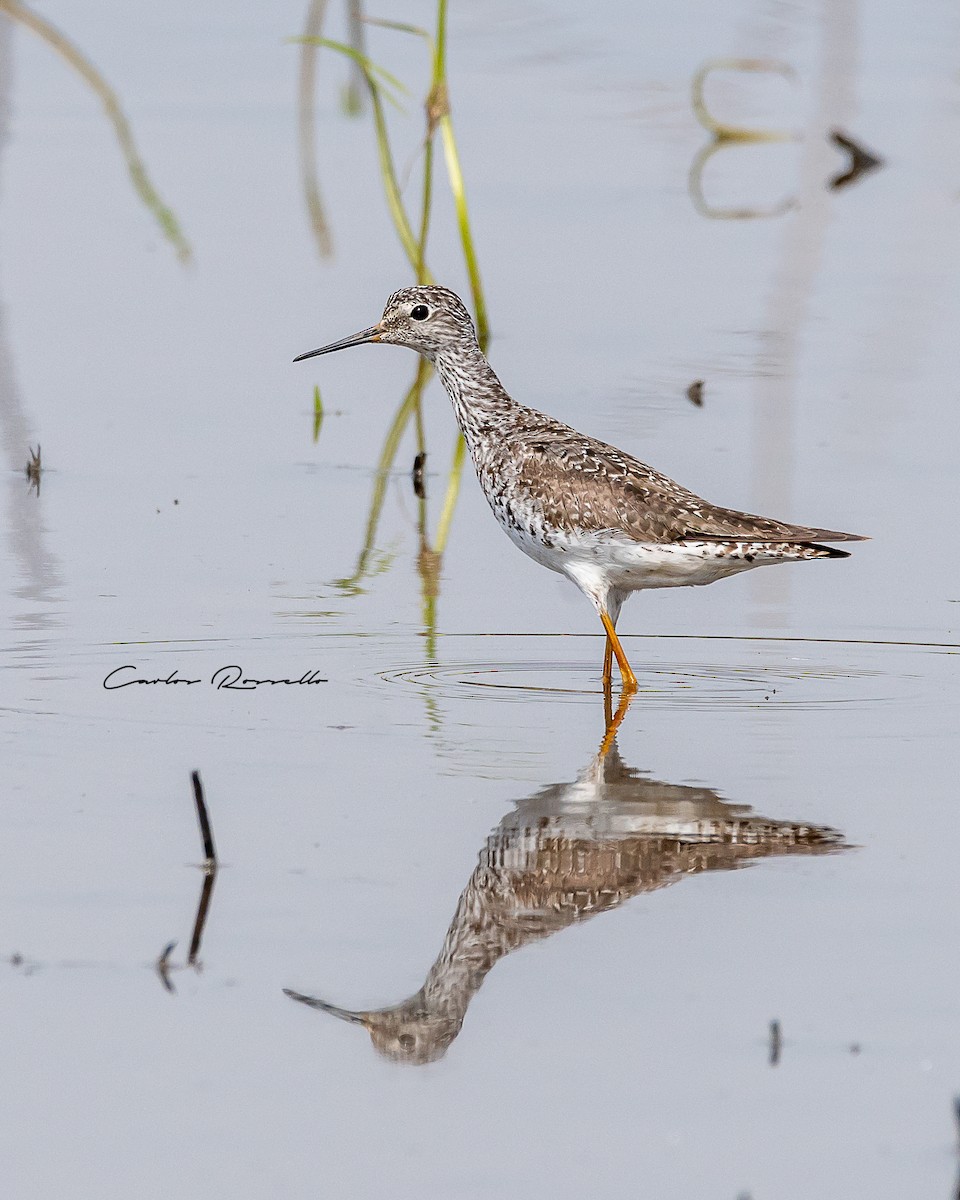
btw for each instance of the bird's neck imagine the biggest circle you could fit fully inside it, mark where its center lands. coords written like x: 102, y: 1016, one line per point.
x: 475, y: 391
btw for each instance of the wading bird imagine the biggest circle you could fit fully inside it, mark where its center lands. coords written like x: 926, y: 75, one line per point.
x: 607, y: 521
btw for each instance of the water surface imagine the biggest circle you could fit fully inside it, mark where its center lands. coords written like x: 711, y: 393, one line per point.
x: 595, y: 938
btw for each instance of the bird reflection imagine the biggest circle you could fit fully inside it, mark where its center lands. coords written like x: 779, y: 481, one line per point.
x: 565, y: 854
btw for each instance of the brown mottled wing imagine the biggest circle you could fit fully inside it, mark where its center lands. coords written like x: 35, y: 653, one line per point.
x: 588, y: 485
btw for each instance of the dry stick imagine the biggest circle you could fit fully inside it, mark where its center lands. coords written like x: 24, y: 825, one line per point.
x: 210, y: 874
x: 205, y: 831
x: 210, y: 870
x: 202, y: 909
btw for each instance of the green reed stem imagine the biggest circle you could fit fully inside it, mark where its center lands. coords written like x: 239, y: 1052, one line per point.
x: 408, y: 407
x: 439, y: 109
x: 412, y: 249
x: 366, y: 64
x: 391, y: 185
x: 423, y: 276
x: 450, y: 499
x: 438, y: 117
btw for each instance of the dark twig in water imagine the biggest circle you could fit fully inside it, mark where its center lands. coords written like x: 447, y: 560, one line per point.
x: 418, y: 466
x: 205, y: 831
x: 163, y: 966
x: 203, y: 908
x: 695, y: 393
x: 776, y: 1043
x: 861, y: 161
x: 206, y: 892
x: 34, y: 468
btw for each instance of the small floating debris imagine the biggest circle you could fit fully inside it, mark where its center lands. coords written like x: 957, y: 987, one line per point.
x: 776, y: 1043
x: 862, y: 160
x: 695, y: 393
x: 34, y: 468
x: 163, y: 966
x: 419, y: 463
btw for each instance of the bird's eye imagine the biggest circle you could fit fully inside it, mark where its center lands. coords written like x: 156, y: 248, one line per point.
x: 406, y: 1040
x: 419, y: 312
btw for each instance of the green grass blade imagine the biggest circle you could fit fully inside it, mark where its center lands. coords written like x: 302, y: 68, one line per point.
x: 371, y: 69
x: 450, y: 499
x: 391, y: 187
x: 400, y: 27
x: 317, y: 413
x: 455, y: 176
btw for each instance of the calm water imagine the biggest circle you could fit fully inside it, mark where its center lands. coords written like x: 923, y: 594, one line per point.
x: 434, y: 816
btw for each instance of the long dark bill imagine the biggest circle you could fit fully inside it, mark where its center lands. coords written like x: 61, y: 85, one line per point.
x: 343, y: 1014
x: 358, y: 339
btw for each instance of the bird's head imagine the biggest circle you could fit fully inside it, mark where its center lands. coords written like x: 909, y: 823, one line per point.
x: 427, y: 318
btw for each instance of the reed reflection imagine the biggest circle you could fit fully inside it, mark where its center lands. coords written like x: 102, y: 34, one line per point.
x: 724, y: 135
x: 413, y: 232
x: 36, y: 577
x: 563, y: 855
x: 91, y: 76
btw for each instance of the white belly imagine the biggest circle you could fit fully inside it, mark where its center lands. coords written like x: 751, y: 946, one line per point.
x: 628, y: 566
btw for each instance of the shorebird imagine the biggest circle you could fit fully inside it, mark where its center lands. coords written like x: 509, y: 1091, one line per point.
x: 562, y: 856
x: 595, y: 514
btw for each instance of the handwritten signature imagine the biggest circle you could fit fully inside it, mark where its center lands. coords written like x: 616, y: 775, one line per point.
x: 230, y: 678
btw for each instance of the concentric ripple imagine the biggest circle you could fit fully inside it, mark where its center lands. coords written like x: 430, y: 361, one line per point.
x: 706, y: 685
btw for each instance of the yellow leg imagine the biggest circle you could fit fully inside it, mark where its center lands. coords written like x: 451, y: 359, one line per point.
x: 607, y: 675
x: 613, y: 720
x: 627, y: 676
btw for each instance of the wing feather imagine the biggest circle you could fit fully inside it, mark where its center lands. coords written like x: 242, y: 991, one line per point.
x: 589, y: 485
